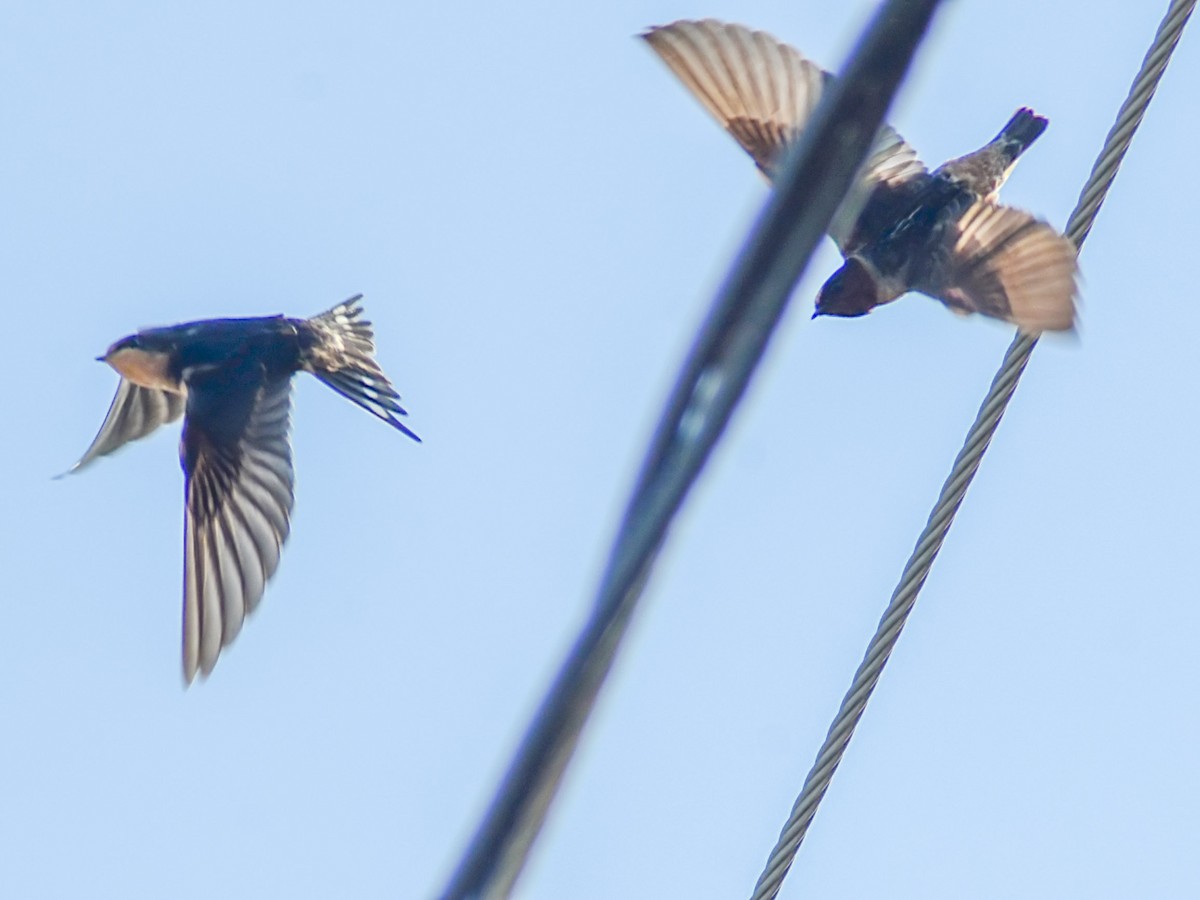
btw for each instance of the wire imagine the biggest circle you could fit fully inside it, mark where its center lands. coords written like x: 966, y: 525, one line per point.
x: 730, y: 343
x: 988, y: 419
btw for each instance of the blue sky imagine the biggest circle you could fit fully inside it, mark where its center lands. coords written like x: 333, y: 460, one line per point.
x: 538, y: 216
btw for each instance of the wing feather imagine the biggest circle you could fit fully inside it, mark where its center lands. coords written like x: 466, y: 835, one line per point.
x: 1004, y: 263
x: 135, y: 412
x: 763, y: 92
x: 240, y: 485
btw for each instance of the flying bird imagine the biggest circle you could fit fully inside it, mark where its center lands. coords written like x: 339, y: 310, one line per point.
x: 231, y: 380
x: 901, y: 227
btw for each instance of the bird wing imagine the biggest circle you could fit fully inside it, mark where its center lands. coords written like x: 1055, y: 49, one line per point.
x: 763, y: 92
x: 237, y: 459
x: 134, y: 413
x: 1004, y: 263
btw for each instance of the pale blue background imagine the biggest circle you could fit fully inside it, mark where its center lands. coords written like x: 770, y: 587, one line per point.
x: 538, y: 216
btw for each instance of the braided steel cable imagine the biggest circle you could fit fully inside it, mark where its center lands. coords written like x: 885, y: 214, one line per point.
x: 916, y: 570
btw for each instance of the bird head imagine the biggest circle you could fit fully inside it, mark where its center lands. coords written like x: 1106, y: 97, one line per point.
x: 126, y: 343
x: 850, y: 291
x: 141, y: 361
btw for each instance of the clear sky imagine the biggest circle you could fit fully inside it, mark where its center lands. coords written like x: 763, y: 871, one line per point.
x: 538, y: 215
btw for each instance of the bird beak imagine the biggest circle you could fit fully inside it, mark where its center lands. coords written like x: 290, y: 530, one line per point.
x: 102, y: 358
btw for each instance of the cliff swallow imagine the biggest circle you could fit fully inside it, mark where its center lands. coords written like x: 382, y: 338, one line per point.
x: 231, y: 380
x: 901, y: 227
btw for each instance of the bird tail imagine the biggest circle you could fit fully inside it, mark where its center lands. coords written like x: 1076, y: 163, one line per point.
x: 338, y: 347
x: 1022, y: 129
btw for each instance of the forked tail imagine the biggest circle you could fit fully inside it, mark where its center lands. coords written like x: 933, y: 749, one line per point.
x: 339, y: 349
x: 1022, y: 129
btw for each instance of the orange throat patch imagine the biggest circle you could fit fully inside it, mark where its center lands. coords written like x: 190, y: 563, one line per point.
x: 144, y: 368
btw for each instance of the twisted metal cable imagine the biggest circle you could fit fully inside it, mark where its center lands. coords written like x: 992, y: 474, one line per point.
x: 965, y: 465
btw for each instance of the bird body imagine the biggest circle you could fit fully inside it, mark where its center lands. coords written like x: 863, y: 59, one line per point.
x: 167, y: 358
x: 231, y: 379
x: 901, y: 227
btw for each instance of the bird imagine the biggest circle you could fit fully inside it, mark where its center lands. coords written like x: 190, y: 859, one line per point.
x: 231, y: 380
x: 901, y: 227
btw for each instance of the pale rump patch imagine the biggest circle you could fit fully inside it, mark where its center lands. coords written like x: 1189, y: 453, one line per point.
x: 144, y: 368
x: 983, y: 171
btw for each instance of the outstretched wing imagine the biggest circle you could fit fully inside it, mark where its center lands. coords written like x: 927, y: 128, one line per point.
x: 135, y: 412
x: 1004, y: 263
x: 238, y: 461
x: 763, y: 92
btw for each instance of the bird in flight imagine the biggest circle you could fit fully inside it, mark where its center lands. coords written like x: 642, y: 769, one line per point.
x: 901, y: 227
x: 231, y: 380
